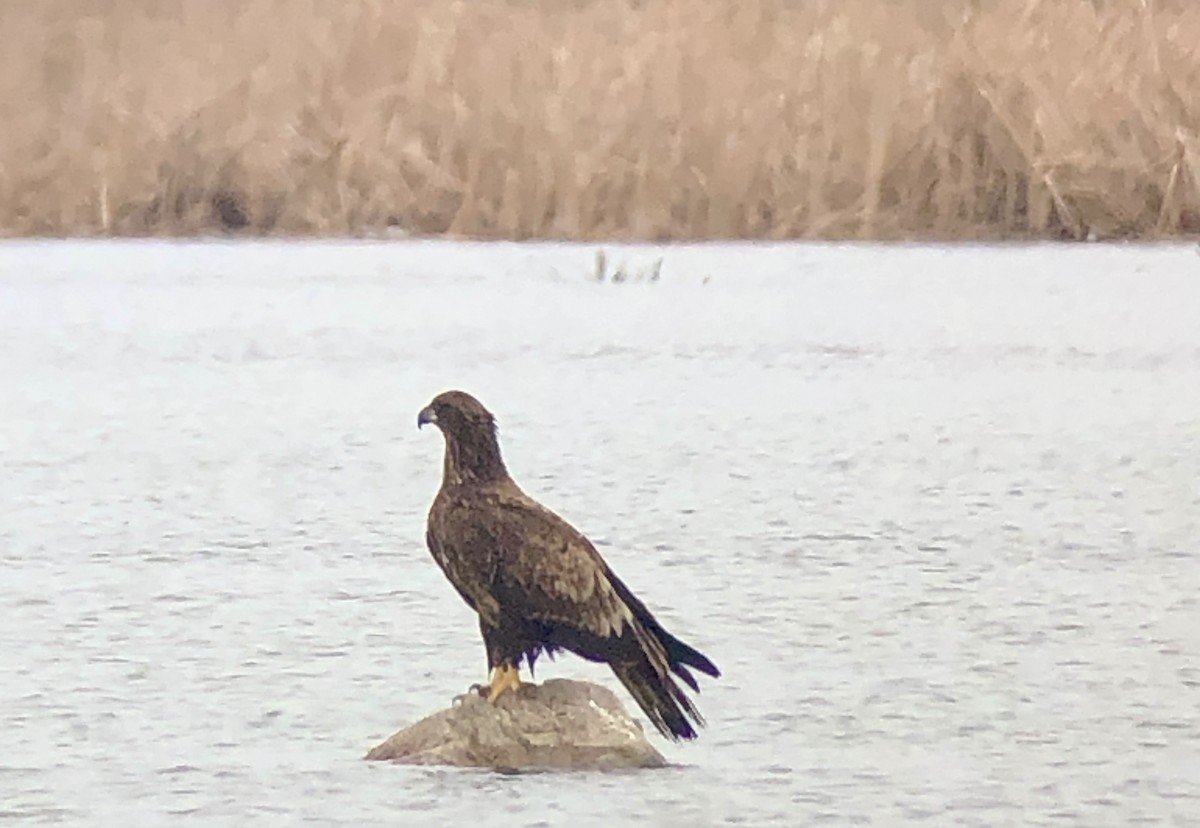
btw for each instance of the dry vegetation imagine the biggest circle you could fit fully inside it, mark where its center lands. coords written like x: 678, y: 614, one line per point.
x: 679, y: 119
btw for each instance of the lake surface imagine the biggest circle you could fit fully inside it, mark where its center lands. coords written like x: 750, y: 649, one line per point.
x: 935, y: 512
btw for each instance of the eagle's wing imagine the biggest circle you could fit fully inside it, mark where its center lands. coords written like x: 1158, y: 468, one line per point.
x: 466, y: 563
x: 549, y: 572
x: 439, y: 555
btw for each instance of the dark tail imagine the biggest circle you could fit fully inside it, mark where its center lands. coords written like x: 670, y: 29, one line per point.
x: 660, y: 698
x: 648, y: 679
x: 680, y: 655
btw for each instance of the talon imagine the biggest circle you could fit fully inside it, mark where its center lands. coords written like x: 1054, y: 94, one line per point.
x: 505, y: 678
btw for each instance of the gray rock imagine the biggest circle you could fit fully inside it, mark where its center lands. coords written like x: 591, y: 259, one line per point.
x: 557, y: 725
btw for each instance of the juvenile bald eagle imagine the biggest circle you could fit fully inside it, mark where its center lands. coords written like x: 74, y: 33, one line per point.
x: 538, y: 584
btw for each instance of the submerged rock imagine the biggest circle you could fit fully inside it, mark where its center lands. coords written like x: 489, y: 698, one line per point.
x: 557, y: 725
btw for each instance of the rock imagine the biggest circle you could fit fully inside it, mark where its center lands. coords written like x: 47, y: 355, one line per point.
x: 557, y: 725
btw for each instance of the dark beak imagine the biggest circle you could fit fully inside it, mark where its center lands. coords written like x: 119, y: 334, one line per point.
x: 427, y: 415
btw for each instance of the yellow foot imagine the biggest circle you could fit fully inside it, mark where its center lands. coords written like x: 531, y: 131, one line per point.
x: 505, y: 678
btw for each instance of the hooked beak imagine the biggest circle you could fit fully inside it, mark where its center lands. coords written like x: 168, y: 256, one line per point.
x: 427, y: 415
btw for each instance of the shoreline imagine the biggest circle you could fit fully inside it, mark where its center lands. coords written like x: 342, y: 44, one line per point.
x: 603, y: 122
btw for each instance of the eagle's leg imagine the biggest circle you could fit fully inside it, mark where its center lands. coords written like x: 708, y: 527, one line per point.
x: 506, y: 677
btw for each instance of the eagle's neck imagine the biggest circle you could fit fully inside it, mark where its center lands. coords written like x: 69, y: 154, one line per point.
x: 473, y: 458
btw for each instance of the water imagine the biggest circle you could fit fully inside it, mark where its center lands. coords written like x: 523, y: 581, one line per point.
x: 933, y: 511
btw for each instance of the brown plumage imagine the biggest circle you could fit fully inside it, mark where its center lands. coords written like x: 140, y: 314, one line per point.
x: 537, y: 583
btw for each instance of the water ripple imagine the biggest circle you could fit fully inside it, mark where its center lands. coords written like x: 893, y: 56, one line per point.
x: 933, y: 511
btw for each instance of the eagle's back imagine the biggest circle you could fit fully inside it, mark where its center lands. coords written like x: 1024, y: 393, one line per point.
x: 511, y: 557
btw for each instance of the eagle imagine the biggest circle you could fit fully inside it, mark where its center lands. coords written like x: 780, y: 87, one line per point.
x: 537, y: 584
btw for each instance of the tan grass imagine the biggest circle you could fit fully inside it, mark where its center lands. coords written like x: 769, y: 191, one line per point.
x: 651, y: 119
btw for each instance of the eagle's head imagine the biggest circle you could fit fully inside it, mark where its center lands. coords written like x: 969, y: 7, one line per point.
x: 472, y: 451
x: 457, y: 413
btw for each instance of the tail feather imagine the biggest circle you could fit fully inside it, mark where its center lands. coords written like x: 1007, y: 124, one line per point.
x: 660, y: 698
x: 647, y: 675
x: 685, y: 674
x: 681, y: 654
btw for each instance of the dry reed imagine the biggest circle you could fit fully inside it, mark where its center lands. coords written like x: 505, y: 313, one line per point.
x: 601, y: 119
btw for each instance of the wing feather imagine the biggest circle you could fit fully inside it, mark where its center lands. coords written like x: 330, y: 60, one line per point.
x: 549, y: 572
x: 465, y: 568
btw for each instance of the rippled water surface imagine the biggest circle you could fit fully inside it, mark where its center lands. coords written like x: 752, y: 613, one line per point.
x: 934, y: 512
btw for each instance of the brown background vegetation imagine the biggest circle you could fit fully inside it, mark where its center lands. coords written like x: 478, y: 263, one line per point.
x: 657, y: 119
